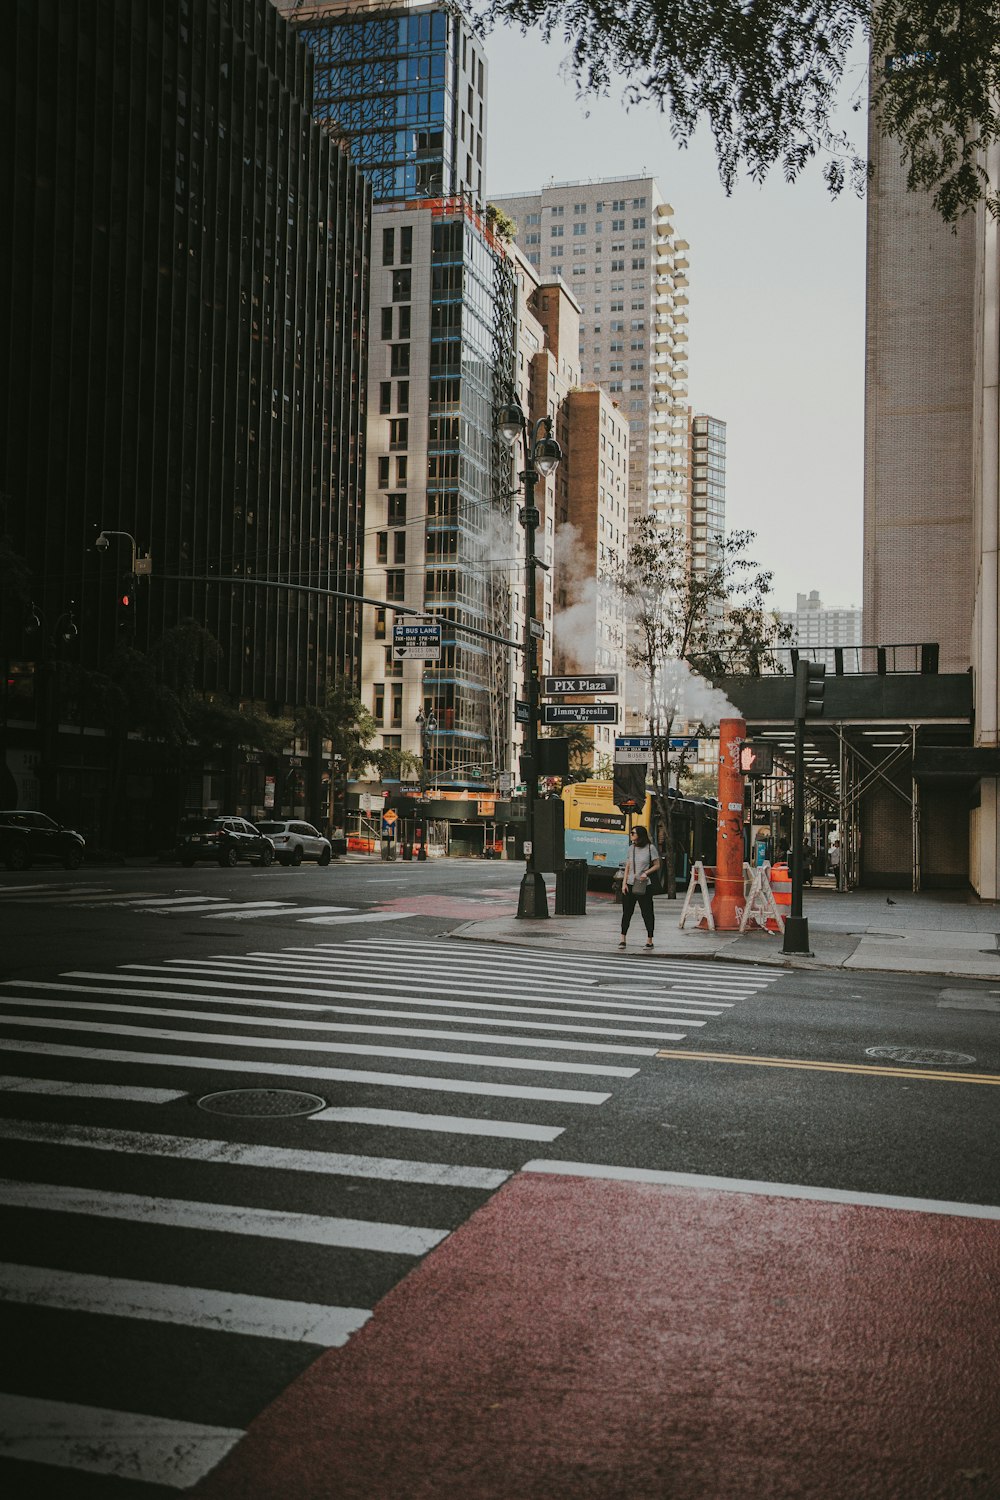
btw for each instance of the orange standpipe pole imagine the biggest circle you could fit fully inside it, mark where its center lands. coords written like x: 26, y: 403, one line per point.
x: 729, y: 839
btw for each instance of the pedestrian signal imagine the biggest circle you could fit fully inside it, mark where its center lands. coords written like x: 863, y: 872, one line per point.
x: 756, y: 759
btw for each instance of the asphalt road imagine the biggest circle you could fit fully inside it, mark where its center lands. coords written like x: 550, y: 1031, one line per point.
x: 188, y: 1266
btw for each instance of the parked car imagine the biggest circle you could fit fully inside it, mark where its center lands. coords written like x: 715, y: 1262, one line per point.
x: 225, y: 839
x: 295, y: 841
x: 29, y: 836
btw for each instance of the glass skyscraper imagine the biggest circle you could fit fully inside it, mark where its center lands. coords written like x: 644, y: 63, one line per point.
x: 404, y: 85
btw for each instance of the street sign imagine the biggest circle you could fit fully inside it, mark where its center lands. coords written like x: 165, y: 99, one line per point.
x: 522, y: 711
x: 606, y: 682
x: 537, y: 629
x: 421, y: 640
x: 631, y: 750
x: 506, y: 780
x: 389, y: 820
x: 579, y: 713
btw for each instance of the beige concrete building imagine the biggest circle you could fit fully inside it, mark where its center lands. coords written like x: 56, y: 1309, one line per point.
x: 931, y: 484
x: 584, y: 505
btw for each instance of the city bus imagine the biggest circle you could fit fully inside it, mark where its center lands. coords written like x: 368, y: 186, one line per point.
x: 598, y: 831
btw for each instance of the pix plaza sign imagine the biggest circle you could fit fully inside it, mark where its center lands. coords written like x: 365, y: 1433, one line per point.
x: 579, y: 713
x: 418, y: 638
x: 556, y: 687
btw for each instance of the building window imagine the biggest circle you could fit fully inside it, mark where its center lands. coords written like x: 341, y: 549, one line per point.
x: 401, y: 471
x: 388, y: 246
x: 385, y: 396
x: 406, y: 244
x: 395, y: 583
x: 399, y: 359
x: 403, y: 330
x: 399, y: 547
x: 557, y: 231
x: 383, y: 473
x: 397, y: 705
x: 397, y: 510
x: 401, y: 286
x: 399, y: 430
x: 387, y: 323
x: 378, y: 701
x: 403, y: 396
x: 380, y: 624
x: 382, y: 547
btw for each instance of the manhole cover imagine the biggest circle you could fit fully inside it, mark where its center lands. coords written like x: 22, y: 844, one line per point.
x: 261, y: 1102
x: 920, y: 1055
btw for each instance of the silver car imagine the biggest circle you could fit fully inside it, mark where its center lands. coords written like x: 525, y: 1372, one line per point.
x: 295, y: 841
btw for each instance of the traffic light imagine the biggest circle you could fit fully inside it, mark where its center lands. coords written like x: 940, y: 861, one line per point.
x: 126, y: 600
x: 756, y: 758
x: 810, y: 687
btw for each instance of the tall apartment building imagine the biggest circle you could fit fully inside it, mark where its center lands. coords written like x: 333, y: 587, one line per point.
x: 819, y: 627
x: 403, y: 82
x: 932, y: 512
x: 436, y: 501
x: 182, y: 349
x: 706, y: 482
x: 614, y: 243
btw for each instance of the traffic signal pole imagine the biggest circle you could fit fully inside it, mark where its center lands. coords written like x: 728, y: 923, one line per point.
x: 796, y: 938
x: 810, y: 683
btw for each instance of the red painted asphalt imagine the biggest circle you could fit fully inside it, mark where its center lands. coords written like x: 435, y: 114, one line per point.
x: 582, y: 1338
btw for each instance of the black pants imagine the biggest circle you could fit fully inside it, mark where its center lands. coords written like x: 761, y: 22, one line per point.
x: 645, y: 904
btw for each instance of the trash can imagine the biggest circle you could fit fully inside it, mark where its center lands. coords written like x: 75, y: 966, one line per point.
x: 571, y: 889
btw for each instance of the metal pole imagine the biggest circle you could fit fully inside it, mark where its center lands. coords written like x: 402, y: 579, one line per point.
x: 796, y: 938
x: 532, y: 900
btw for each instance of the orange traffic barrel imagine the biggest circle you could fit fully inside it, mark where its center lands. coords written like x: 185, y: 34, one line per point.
x: 781, y: 885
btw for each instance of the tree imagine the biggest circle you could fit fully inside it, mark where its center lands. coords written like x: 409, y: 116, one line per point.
x: 681, y: 622
x: 765, y: 75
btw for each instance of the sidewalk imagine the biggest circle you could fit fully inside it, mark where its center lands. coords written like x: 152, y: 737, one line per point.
x: 929, y: 932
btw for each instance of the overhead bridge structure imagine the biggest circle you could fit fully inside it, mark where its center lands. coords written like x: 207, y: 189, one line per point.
x: 891, y: 761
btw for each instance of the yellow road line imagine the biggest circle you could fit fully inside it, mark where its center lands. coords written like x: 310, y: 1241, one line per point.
x: 869, y: 1070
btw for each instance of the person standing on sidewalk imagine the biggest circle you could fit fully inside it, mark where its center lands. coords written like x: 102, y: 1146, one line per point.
x: 641, y: 865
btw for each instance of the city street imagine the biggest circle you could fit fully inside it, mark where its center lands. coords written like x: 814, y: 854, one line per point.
x: 563, y: 1222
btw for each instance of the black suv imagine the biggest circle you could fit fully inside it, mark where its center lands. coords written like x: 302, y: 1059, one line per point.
x: 227, y: 840
x: 29, y: 836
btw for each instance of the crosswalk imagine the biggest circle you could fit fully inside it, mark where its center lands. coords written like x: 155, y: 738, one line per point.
x: 175, y: 1240
x: 205, y: 907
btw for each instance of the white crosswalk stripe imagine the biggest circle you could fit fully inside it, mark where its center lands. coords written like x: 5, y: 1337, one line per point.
x: 260, y: 1212
x: 204, y: 905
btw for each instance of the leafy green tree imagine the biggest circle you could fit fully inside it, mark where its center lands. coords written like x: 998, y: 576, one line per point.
x: 680, y: 623
x: 766, y: 75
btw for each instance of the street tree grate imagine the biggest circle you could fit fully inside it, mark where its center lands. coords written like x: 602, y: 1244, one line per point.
x: 921, y: 1055
x: 261, y: 1103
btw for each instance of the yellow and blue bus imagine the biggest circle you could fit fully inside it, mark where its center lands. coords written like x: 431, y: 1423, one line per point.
x: 598, y: 831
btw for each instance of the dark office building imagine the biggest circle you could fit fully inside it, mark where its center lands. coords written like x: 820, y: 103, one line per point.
x: 183, y: 288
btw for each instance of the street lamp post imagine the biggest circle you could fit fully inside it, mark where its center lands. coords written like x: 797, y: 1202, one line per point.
x: 427, y: 725
x: 542, y: 455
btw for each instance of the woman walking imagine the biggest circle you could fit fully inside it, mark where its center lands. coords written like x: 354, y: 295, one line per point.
x: 642, y: 863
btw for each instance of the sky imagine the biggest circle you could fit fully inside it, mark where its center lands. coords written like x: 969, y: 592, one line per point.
x: 777, y: 307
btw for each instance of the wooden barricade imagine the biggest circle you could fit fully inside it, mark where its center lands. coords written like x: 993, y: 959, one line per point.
x: 760, y: 904
x: 698, y: 885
